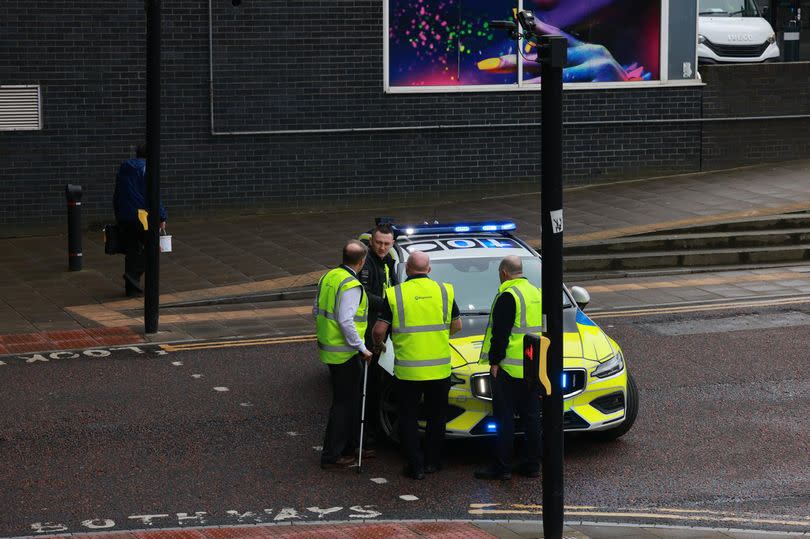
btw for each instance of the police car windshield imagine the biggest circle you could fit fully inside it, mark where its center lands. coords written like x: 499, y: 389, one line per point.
x: 476, y: 281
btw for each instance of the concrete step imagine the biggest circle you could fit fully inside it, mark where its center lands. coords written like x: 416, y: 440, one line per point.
x: 601, y: 262
x: 765, y: 222
x: 698, y: 241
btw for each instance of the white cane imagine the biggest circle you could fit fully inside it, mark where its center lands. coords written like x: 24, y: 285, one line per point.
x: 362, y: 418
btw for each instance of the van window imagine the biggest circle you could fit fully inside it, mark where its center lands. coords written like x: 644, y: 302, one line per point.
x: 728, y: 8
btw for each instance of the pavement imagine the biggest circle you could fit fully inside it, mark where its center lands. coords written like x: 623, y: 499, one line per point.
x: 242, y: 275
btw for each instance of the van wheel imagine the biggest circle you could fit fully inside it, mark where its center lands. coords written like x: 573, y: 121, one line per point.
x: 631, y: 411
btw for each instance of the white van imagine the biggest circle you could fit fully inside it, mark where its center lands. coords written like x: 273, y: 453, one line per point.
x: 732, y: 31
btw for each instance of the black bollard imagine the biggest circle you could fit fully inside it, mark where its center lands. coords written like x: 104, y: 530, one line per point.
x: 74, y: 209
x: 791, y: 42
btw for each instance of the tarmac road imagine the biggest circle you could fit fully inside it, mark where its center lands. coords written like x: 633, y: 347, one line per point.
x: 230, y: 435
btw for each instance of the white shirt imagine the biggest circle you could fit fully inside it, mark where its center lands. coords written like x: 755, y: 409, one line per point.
x: 349, y: 303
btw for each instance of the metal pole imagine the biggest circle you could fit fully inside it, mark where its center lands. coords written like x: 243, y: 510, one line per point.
x: 74, y: 210
x: 151, y: 302
x: 553, y: 50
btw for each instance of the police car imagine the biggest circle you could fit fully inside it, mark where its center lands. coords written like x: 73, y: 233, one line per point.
x: 600, y: 395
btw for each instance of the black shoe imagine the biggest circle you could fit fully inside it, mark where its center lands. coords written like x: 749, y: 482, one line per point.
x: 340, y: 464
x: 417, y: 474
x: 528, y: 471
x: 492, y: 473
x: 432, y: 468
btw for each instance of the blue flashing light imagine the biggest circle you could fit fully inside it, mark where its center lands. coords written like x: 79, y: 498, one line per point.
x: 564, y: 380
x: 492, y: 427
x: 456, y: 228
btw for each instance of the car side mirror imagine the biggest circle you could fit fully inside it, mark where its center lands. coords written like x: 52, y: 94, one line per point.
x: 581, y: 296
x: 766, y: 13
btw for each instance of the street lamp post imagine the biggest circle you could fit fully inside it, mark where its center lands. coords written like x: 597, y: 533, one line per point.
x: 151, y: 303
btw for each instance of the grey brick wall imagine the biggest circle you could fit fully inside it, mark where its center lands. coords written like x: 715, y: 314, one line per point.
x: 755, y: 90
x: 274, y: 73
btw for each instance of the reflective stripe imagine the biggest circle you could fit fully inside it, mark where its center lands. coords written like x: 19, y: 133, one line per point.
x: 330, y: 348
x: 484, y: 355
x: 517, y: 291
x: 340, y: 292
x: 419, y: 329
x: 400, y: 306
x: 331, y: 316
x: 444, y: 302
x: 422, y: 362
x: 530, y: 329
x: 512, y: 361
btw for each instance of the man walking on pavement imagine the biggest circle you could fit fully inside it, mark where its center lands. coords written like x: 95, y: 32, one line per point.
x: 341, y: 310
x: 516, y: 311
x: 128, y: 198
x: 422, y: 314
x: 377, y: 276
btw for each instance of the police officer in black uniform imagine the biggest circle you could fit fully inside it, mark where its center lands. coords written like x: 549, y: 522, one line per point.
x: 376, y: 276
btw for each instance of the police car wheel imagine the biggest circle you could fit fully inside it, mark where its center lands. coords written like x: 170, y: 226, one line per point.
x: 631, y: 411
x: 388, y: 413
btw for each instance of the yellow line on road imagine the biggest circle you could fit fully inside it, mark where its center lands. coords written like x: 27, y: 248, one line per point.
x: 237, y: 343
x: 700, y: 308
x: 673, y: 514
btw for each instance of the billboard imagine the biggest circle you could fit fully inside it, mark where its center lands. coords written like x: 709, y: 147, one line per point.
x: 451, y: 43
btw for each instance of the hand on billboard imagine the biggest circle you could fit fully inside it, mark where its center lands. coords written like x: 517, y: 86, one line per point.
x: 587, y: 62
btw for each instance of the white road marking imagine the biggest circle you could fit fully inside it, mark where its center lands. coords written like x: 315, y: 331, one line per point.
x: 246, y: 404
x: 293, y: 433
x: 161, y: 352
x: 221, y: 389
x: 177, y: 363
x: 408, y: 497
x: 379, y: 480
x: 317, y: 447
x: 198, y: 376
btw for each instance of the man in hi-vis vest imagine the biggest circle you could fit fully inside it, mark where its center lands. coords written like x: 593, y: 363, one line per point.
x: 516, y: 311
x: 422, y: 314
x: 341, y: 311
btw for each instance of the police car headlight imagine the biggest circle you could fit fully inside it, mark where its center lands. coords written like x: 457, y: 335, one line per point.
x: 772, y: 38
x: 701, y: 39
x: 610, y: 367
x: 481, y: 386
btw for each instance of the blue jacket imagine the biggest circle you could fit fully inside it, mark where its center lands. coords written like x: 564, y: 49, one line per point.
x: 130, y: 189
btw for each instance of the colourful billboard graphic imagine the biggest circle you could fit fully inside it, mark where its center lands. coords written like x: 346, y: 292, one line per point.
x: 451, y: 43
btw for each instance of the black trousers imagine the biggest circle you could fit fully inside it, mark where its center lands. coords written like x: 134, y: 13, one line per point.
x: 435, y: 394
x: 509, y: 396
x: 132, y: 236
x: 343, y: 427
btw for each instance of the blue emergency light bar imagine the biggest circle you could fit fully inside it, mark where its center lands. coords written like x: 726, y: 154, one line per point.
x: 456, y: 228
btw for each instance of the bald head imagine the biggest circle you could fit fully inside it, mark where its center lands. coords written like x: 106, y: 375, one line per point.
x: 418, y: 263
x: 354, y: 254
x: 511, y: 268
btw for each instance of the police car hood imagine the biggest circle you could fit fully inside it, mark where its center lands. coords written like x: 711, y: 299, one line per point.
x: 584, y: 343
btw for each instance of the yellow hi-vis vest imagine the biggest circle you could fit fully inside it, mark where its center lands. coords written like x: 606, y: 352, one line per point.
x: 332, y: 346
x: 420, y: 329
x: 528, y: 319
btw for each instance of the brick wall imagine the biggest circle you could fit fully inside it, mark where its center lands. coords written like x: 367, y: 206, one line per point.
x: 755, y: 90
x: 273, y: 73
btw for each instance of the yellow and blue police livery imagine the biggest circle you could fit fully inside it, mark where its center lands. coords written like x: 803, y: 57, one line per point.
x: 600, y: 395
